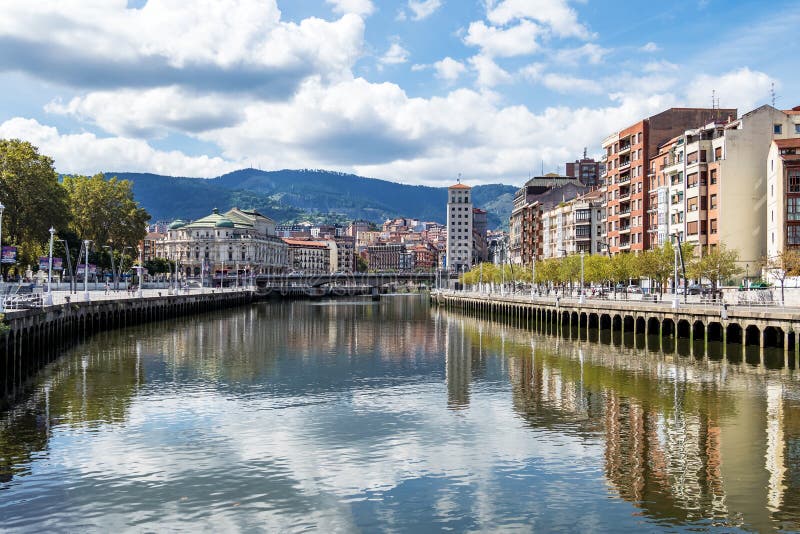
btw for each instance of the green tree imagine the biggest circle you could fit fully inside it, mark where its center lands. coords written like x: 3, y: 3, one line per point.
x: 361, y: 264
x: 718, y: 265
x: 597, y: 268
x: 105, y: 210
x: 34, y: 201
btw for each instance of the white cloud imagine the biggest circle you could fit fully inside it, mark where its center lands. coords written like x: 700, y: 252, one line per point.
x: 742, y: 88
x: 489, y: 73
x: 650, y: 47
x: 224, y: 45
x: 395, y: 55
x: 152, y: 112
x: 532, y: 72
x: 361, y: 8
x: 569, y: 84
x: 517, y: 40
x: 423, y: 8
x: 449, y: 69
x: 88, y: 154
x: 593, y: 53
x: 556, y: 14
x: 659, y: 66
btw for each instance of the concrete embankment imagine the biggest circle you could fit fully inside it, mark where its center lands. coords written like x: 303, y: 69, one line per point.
x: 37, y: 336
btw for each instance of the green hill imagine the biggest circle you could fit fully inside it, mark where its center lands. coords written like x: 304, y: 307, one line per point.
x: 294, y: 195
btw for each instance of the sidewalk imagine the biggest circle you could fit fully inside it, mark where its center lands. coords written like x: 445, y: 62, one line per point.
x: 60, y: 297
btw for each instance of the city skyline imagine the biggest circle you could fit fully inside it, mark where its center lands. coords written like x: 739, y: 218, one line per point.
x: 413, y: 92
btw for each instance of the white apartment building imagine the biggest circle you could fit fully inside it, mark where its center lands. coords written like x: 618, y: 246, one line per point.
x: 574, y: 226
x: 783, y: 196
x: 459, y: 228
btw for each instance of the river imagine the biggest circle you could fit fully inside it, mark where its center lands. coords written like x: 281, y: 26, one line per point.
x: 394, y: 416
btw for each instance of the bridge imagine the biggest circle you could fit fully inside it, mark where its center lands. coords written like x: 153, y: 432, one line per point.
x: 366, y: 280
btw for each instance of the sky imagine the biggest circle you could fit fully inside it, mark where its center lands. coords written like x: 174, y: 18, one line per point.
x: 413, y: 91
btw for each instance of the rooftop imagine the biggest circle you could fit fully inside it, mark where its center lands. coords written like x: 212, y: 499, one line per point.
x: 459, y: 186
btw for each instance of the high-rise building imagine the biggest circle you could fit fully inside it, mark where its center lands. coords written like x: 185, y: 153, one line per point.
x: 459, y: 228
x: 480, y: 223
x: 586, y: 170
x: 626, y: 162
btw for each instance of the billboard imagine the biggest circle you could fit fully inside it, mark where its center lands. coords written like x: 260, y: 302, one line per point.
x: 82, y: 269
x: 9, y: 254
x: 44, y: 263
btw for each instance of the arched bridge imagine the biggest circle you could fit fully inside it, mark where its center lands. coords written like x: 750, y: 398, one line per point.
x: 343, y: 279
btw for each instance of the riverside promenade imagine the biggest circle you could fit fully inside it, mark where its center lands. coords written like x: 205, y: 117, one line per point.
x: 725, y: 322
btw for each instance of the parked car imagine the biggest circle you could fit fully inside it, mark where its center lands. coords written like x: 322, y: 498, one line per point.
x: 634, y: 289
x: 699, y: 289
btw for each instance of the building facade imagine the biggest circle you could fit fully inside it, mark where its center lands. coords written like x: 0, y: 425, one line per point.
x: 627, y: 157
x: 459, y: 228
x: 219, y: 243
x: 586, y: 170
x: 783, y: 198
x: 309, y: 257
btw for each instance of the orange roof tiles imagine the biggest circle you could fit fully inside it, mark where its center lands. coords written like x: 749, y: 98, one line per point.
x: 459, y: 186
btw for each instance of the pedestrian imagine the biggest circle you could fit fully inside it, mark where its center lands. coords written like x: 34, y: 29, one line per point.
x: 107, y: 288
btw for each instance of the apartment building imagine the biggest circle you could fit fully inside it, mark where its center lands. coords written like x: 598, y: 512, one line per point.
x: 587, y: 170
x: 459, y: 228
x: 573, y: 227
x: 783, y: 198
x: 626, y: 164
x: 310, y: 257
x: 538, y: 194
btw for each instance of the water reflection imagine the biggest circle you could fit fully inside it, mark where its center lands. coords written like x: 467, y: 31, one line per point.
x: 353, y: 416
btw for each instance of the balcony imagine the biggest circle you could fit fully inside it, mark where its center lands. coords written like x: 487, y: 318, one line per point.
x: 624, y: 194
x: 625, y: 229
x: 624, y: 149
x: 624, y: 164
x: 624, y: 178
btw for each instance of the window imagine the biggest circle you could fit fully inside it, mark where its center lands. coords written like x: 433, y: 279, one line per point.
x: 713, y: 202
x: 793, y: 234
x: 691, y: 228
x: 713, y: 224
x: 794, y: 181
x: 797, y: 128
x: 718, y: 153
x: 793, y: 209
x: 713, y: 176
x: 777, y: 129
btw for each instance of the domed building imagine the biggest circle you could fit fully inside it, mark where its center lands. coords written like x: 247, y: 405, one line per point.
x: 219, y: 244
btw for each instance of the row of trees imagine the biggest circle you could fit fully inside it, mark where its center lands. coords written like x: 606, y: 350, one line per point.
x: 658, y: 265
x: 78, y: 207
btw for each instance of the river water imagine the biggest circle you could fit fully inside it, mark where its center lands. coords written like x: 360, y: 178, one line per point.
x: 394, y: 416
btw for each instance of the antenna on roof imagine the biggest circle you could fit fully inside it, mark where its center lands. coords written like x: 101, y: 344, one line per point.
x: 459, y: 177
x: 584, y: 152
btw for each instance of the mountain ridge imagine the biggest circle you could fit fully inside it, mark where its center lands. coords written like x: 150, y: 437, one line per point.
x: 293, y: 195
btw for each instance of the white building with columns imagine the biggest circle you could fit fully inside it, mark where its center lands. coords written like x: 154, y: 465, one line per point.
x: 218, y: 243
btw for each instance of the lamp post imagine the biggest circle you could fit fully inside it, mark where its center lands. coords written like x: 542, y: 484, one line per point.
x: 582, y: 299
x: 86, y: 270
x: 533, y: 275
x: 141, y: 270
x: 48, y: 299
x: 2, y: 298
x: 675, y: 298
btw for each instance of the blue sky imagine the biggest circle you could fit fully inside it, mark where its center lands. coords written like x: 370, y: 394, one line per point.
x: 415, y: 91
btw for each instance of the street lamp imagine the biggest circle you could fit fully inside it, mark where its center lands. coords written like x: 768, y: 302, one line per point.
x: 113, y: 266
x: 582, y: 299
x: 2, y: 209
x: 675, y: 298
x: 48, y: 299
x: 141, y: 270
x: 86, y: 270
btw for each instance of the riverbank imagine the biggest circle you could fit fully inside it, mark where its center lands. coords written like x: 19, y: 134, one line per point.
x: 36, y: 336
x: 740, y: 326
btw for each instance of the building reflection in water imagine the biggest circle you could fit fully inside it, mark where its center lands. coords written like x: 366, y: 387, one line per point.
x: 685, y: 440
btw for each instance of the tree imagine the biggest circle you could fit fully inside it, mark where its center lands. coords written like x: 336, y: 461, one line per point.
x: 785, y: 264
x: 34, y: 201
x: 717, y: 265
x: 361, y: 264
x: 597, y: 268
x: 105, y: 210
